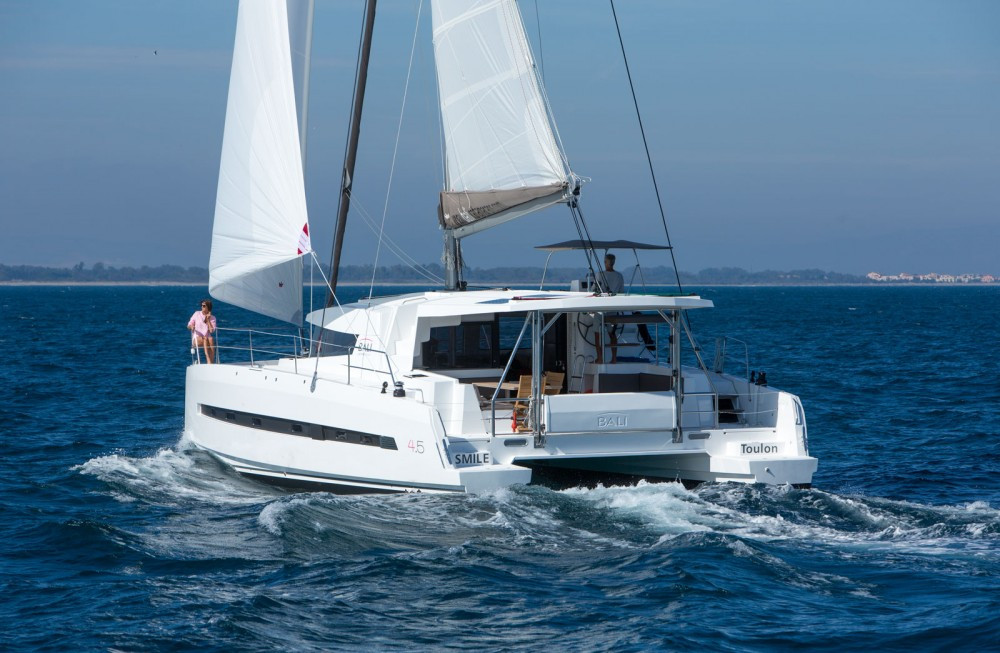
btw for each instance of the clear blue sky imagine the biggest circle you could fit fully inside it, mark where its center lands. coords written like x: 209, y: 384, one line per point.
x: 849, y: 135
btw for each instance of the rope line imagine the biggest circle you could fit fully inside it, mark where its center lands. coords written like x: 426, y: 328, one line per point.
x: 538, y: 28
x: 649, y: 159
x: 354, y: 97
x: 404, y: 258
x: 395, y: 149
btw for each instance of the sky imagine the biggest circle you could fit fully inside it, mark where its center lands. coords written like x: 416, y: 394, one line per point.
x: 846, y: 135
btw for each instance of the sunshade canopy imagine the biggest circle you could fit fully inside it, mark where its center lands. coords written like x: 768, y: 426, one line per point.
x: 599, y: 244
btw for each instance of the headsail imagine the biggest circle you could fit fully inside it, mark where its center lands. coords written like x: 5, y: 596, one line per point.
x: 261, y: 226
x: 502, y: 158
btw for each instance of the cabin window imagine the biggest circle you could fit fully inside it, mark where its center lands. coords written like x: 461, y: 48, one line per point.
x: 469, y: 345
x: 510, y: 327
x: 488, y: 345
x: 334, y: 343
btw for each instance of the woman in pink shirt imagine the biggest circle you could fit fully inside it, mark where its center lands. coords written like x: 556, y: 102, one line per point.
x: 202, y: 328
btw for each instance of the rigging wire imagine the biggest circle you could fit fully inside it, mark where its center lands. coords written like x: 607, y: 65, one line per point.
x: 517, y: 41
x: 574, y: 206
x: 439, y: 112
x: 368, y: 329
x: 595, y: 265
x: 589, y: 251
x: 347, y: 145
x: 318, y: 349
x: 395, y: 149
x: 649, y: 159
x: 354, y: 98
x: 312, y: 269
x: 553, y: 127
x: 393, y: 247
x: 538, y: 28
x: 405, y: 258
x: 433, y: 108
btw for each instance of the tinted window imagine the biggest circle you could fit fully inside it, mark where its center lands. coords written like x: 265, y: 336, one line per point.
x: 466, y: 346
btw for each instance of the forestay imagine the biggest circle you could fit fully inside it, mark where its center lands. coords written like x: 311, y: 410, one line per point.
x: 502, y: 158
x: 261, y: 226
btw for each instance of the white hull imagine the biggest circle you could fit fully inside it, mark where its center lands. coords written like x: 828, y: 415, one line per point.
x: 267, y: 421
x: 598, y: 389
x: 359, y: 463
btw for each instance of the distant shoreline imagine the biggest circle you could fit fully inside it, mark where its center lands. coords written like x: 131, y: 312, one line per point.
x: 179, y: 283
x: 101, y: 274
x: 100, y: 283
x: 498, y: 284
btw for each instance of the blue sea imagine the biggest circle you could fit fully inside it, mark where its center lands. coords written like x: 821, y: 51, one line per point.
x: 118, y: 536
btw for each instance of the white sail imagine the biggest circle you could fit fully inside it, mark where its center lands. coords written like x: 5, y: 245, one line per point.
x: 300, y: 21
x: 261, y: 226
x: 502, y: 159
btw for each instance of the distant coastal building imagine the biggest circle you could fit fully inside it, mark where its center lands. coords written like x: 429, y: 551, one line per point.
x: 932, y: 277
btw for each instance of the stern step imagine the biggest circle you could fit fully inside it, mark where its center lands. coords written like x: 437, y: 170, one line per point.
x: 729, y: 410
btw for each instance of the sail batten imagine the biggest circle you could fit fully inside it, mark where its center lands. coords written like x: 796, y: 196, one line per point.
x: 261, y: 226
x: 501, y: 155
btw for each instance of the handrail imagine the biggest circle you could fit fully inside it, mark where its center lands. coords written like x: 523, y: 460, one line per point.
x: 510, y: 361
x: 721, y: 351
x: 714, y: 412
x: 196, y: 351
x: 751, y: 418
x: 300, y: 348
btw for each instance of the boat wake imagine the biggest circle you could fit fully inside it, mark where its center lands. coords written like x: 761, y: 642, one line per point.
x: 629, y: 555
x: 174, y: 476
x: 647, y: 516
x: 776, y: 514
x: 644, y: 517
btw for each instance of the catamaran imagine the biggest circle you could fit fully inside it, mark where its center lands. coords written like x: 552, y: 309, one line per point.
x: 455, y: 390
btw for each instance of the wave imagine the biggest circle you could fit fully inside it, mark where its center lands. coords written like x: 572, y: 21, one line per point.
x: 173, y: 476
x: 810, y: 516
x: 641, y: 518
x: 635, y: 517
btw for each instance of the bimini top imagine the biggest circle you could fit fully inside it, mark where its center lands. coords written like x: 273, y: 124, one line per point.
x: 599, y: 244
x: 515, y: 301
x: 479, y: 302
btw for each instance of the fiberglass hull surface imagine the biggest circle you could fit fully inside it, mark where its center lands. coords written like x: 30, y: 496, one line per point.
x: 269, y: 423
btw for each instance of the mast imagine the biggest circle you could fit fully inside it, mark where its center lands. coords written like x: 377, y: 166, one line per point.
x: 452, y: 261
x: 352, y: 149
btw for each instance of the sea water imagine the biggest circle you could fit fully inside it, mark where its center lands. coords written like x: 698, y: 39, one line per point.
x: 117, y: 535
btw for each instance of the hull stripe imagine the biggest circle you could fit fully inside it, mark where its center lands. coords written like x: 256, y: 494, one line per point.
x: 300, y: 429
x: 249, y: 467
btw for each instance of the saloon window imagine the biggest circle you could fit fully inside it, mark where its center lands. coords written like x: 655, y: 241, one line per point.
x: 468, y: 345
x: 510, y: 329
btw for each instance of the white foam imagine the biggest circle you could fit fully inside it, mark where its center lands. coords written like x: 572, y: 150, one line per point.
x: 538, y: 518
x: 168, y: 476
x: 274, y: 514
x: 871, y: 523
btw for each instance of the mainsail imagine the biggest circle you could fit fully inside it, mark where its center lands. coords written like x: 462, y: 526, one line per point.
x: 261, y: 225
x: 501, y: 156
